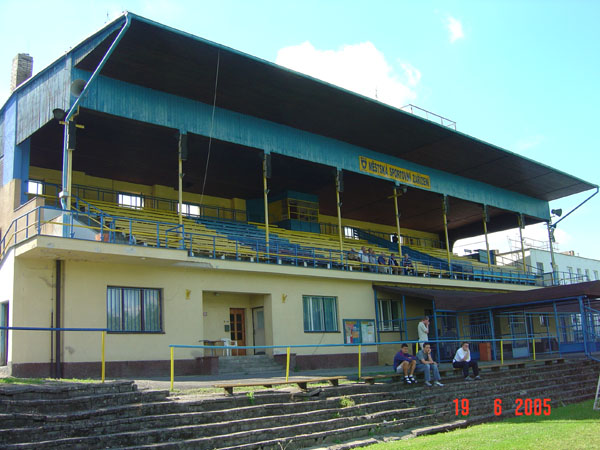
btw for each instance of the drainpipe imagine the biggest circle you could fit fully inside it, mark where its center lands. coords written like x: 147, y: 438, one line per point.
x: 57, y: 323
x: 65, y: 194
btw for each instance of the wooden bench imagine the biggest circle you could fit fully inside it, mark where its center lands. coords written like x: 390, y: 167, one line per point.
x: 302, y: 384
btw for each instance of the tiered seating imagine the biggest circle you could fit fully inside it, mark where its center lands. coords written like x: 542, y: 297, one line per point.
x: 160, y: 228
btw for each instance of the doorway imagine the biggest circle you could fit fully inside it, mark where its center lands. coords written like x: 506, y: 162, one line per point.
x: 237, y: 322
x: 258, y: 324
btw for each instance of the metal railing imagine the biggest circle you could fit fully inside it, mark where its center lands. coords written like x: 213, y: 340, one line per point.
x: 358, y: 346
x: 433, y: 117
x: 95, y: 225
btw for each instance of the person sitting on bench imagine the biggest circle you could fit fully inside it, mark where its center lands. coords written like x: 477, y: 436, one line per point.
x: 426, y: 364
x: 462, y: 360
x: 407, y: 265
x: 405, y: 363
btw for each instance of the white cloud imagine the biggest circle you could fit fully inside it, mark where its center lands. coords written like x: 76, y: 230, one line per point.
x: 528, y: 142
x: 361, y: 68
x: 455, y: 29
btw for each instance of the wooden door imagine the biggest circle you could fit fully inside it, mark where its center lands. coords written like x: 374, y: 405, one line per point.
x: 237, y: 323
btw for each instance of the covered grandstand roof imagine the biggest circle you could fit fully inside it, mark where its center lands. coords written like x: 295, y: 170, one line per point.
x: 184, y: 65
x: 463, y: 300
x: 167, y: 60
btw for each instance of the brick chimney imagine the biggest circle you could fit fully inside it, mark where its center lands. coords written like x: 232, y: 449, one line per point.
x: 22, y: 68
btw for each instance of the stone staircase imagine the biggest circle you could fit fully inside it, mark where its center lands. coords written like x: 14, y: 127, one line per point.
x: 116, y: 415
x: 250, y: 364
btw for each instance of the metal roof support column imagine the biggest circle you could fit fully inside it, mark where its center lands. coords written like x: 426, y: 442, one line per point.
x: 493, y: 333
x: 339, y: 188
x: 584, y: 327
x: 445, y: 216
x: 404, y: 318
x: 397, y: 214
x: 521, y: 226
x: 435, y: 330
x: 376, y: 314
x: 266, y: 174
x: 551, y: 242
x: 487, y: 244
x: 556, y: 328
x: 67, y: 175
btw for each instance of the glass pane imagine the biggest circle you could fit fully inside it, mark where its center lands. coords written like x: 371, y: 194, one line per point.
x: 132, y: 310
x: 306, y: 311
x: 114, y: 314
x: 317, y: 314
x: 330, y: 314
x: 152, y: 310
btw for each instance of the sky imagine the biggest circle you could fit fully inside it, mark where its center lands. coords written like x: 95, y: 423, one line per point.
x: 521, y: 74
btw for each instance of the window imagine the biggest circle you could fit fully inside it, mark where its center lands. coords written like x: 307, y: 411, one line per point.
x: 595, y: 274
x: 189, y: 210
x: 350, y: 233
x: 131, y: 201
x: 587, y: 275
x: 134, y: 310
x: 35, y: 187
x: 389, y: 315
x: 540, y: 267
x: 320, y: 314
x: 3, y: 334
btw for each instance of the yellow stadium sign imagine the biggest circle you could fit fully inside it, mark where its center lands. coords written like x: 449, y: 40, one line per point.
x: 399, y: 174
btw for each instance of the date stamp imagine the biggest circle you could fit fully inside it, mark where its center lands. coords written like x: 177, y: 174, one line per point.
x: 522, y: 407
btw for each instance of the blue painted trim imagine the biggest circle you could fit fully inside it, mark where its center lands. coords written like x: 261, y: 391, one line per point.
x: 404, y: 318
x: 493, y: 333
x: 376, y: 314
x: 159, y: 108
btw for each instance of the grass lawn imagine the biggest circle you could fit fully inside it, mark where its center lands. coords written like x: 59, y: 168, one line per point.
x: 575, y: 426
x: 13, y: 380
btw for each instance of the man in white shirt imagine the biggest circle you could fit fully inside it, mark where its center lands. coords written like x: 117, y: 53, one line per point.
x: 462, y: 360
x: 423, y: 330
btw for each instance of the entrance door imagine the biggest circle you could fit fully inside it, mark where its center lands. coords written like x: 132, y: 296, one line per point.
x: 3, y: 334
x: 518, y: 329
x: 258, y: 322
x: 237, y: 322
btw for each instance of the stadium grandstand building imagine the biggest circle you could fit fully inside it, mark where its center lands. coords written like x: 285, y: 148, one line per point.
x: 171, y: 190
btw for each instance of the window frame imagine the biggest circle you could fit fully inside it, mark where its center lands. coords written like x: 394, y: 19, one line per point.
x: 310, y: 327
x: 386, y: 304
x: 142, y: 316
x: 121, y: 196
x: 39, y: 187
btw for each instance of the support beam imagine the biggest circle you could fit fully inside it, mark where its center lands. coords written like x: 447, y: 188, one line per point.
x: 266, y: 198
x: 521, y: 226
x: 180, y: 177
x: 445, y: 217
x: 487, y: 244
x: 397, y: 215
x: 551, y: 242
x: 67, y: 175
x: 338, y: 189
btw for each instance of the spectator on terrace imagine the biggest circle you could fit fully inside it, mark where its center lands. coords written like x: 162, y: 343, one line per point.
x: 423, y: 330
x: 381, y: 268
x: 427, y: 365
x: 462, y: 360
x: 353, y: 255
x: 405, y: 363
x: 394, y: 268
x: 363, y: 255
x: 372, y: 260
x: 407, y: 265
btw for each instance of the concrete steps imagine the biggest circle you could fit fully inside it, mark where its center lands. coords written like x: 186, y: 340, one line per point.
x: 250, y: 364
x: 272, y: 419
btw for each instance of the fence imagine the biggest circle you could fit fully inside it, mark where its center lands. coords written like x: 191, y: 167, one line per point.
x: 103, y: 340
x: 434, y: 343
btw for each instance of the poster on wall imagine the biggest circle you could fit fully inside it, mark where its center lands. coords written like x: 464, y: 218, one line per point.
x: 359, y: 331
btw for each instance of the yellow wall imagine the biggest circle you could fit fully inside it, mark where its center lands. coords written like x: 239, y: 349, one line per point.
x: 7, y: 272
x: 84, y: 305
x: 80, y: 178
